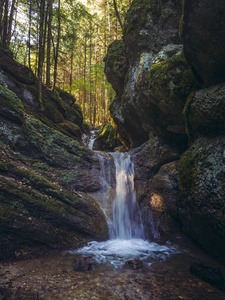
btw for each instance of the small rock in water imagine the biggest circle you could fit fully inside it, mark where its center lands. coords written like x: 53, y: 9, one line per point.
x: 208, y: 274
x: 83, y: 264
x: 134, y: 264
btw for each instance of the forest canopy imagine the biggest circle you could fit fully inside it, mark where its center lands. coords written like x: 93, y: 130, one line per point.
x: 64, y: 43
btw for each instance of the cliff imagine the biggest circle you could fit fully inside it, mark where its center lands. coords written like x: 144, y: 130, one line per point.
x: 168, y: 73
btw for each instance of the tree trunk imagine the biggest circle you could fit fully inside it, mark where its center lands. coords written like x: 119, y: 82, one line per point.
x: 41, y: 54
x: 71, y: 70
x: 9, y: 30
x: 29, y: 33
x: 48, y: 60
x: 117, y: 13
x: 5, y: 22
x: 57, y: 48
x: 90, y: 95
x: 1, y: 13
x: 85, y: 64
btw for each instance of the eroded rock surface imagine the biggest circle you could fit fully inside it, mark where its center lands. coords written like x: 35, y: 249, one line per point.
x: 43, y: 170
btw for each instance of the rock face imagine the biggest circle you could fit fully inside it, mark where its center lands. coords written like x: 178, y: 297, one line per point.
x: 168, y: 97
x: 203, y: 27
x: 107, y: 139
x: 43, y: 170
x: 150, y: 75
x: 201, y: 174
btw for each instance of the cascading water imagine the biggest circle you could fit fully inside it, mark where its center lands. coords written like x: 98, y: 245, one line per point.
x: 127, y: 223
x: 125, y: 228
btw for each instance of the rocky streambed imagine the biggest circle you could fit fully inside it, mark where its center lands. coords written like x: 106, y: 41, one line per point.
x: 53, y: 277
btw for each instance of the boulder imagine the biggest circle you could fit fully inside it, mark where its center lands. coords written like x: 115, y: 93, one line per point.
x: 107, y: 139
x: 10, y: 105
x: 202, y: 29
x: 156, y: 184
x: 83, y: 264
x: 201, y: 204
x: 116, y: 65
x: 134, y: 264
x: 211, y: 275
x: 150, y: 25
x: 154, y: 79
x: 36, y: 216
x: 205, y: 112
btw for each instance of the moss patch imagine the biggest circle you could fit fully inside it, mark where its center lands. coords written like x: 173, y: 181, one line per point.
x: 10, y: 104
x: 3, y: 166
x: 137, y: 15
x: 107, y: 138
x: 183, y: 79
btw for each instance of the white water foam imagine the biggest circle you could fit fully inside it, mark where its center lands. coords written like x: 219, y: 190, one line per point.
x: 126, y: 229
x: 116, y: 252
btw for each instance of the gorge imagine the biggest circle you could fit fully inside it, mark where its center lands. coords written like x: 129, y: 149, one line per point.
x: 143, y: 214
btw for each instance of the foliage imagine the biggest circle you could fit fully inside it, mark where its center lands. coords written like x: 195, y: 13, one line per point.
x: 81, y: 34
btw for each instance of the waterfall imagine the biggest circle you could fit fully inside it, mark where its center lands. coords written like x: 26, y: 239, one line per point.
x: 126, y: 223
x: 126, y: 233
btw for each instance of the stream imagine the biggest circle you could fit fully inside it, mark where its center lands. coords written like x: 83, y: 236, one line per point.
x: 127, y: 266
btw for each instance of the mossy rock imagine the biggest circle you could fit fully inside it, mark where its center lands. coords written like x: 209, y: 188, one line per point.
x: 170, y: 83
x: 107, y: 139
x: 3, y: 167
x: 10, y: 105
x: 70, y: 129
x: 47, y: 217
x: 201, y: 194
x: 19, y: 72
x: 150, y: 25
x: 70, y: 110
x: 177, y: 70
x: 116, y: 65
x: 205, y: 112
x: 51, y: 111
x: 139, y: 10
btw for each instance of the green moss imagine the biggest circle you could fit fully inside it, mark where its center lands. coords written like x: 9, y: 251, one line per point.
x: 69, y: 177
x: 114, y: 54
x: 7, y: 214
x: 3, y: 166
x: 186, y: 114
x: 188, y: 172
x: 85, y: 126
x: 31, y: 178
x: 9, y: 99
x: 181, y: 26
x: 137, y: 15
x: 52, y: 112
x: 107, y: 138
x: 183, y: 80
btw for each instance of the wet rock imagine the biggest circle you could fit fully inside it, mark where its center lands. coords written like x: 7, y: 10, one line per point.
x: 84, y: 264
x: 201, y: 197
x: 202, y: 28
x: 134, y: 264
x: 213, y: 276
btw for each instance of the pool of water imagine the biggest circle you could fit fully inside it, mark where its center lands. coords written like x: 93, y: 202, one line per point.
x: 165, y: 275
x: 116, y: 252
